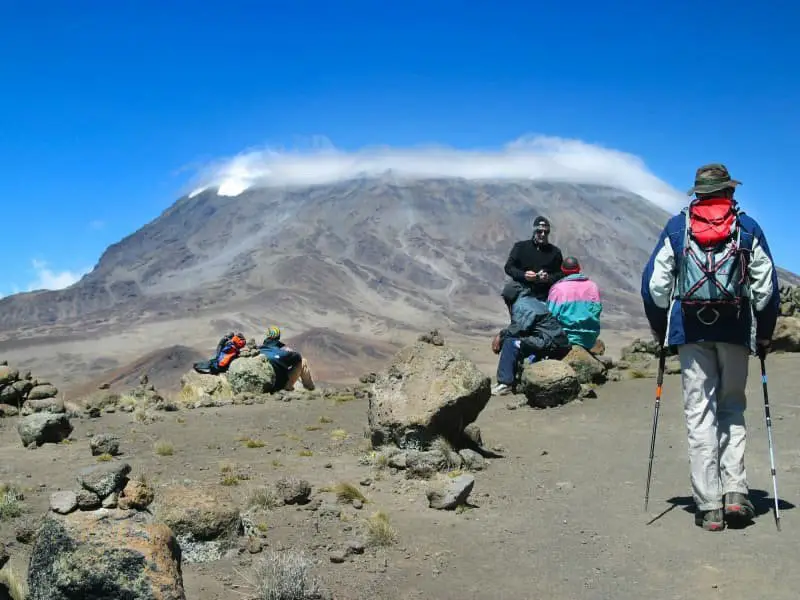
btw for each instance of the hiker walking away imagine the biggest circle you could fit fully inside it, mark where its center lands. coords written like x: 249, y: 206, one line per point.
x: 533, y: 333
x: 289, y: 364
x: 533, y: 265
x: 575, y: 302
x: 710, y: 289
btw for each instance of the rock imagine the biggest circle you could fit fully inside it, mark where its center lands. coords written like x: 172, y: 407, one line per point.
x: 10, y: 395
x: 6, y: 410
x: 599, y: 348
x: 206, y: 512
x: 104, y: 443
x: 786, y: 337
x: 338, y: 556
x: 44, y: 428
x: 136, y: 495
x: 104, y: 479
x: 51, y: 405
x: 452, y: 493
x: 63, y: 503
x: 473, y: 433
x: 4, y: 556
x: 195, y: 385
x: 587, y: 391
x: 549, y: 383
x: 101, y: 400
x: 89, y: 555
x: 254, y: 375
x: 293, y: 491
x: 8, y: 375
x: 23, y: 387
x: 110, y: 501
x: 472, y: 460
x: 42, y: 392
x: 587, y: 368
x: 432, y: 337
x: 87, y: 500
x: 354, y: 547
x: 426, y: 392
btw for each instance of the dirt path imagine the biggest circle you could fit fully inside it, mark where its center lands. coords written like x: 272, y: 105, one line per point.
x: 559, y: 517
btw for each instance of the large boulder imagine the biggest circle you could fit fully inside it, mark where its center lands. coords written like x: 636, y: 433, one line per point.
x: 586, y: 367
x: 205, y: 519
x: 44, y: 428
x: 104, y: 554
x: 786, y: 337
x: 549, y: 383
x: 253, y: 375
x: 429, y: 390
x: 196, y: 385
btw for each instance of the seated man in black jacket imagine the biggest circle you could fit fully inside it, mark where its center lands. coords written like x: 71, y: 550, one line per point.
x: 289, y: 365
x: 534, y: 265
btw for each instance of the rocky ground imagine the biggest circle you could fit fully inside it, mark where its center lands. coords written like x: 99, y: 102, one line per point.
x: 553, y: 510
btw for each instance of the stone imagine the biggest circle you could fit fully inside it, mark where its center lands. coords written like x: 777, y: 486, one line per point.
x: 196, y: 385
x: 87, y: 500
x: 293, y: 491
x: 206, y: 512
x: 10, y: 395
x: 89, y: 555
x: 253, y: 375
x: 104, y: 443
x: 136, y: 495
x: 63, y: 503
x: 786, y: 337
x: 599, y: 348
x: 44, y: 428
x: 42, y: 392
x: 452, y: 493
x: 8, y: 375
x: 472, y: 460
x: 104, y: 479
x: 427, y: 391
x: 549, y: 383
x: 587, y: 368
x: 51, y: 405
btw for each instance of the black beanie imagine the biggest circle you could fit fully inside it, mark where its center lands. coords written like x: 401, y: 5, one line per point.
x: 540, y: 220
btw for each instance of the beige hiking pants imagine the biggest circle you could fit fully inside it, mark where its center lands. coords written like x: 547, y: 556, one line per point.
x: 714, y: 376
x: 303, y: 373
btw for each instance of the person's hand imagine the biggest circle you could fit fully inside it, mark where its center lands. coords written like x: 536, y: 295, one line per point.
x: 542, y: 275
x: 658, y: 337
x: 762, y: 347
x: 496, y: 344
x: 530, y: 275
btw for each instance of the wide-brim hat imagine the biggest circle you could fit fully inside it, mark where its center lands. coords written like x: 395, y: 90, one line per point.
x: 712, y: 178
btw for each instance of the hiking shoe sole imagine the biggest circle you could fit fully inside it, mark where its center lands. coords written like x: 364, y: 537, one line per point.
x: 709, y: 521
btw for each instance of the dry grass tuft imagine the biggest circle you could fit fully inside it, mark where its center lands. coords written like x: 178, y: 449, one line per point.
x: 379, y: 531
x: 163, y: 448
x: 347, y: 492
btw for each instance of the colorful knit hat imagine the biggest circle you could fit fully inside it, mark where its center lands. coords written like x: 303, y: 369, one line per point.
x: 274, y: 333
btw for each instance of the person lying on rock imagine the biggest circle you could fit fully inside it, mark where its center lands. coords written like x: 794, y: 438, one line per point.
x: 228, y: 349
x: 533, y: 334
x: 289, y: 364
x: 575, y: 302
x: 533, y: 265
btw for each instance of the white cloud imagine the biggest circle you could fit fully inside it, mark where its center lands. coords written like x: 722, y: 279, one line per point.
x: 46, y: 279
x: 537, y: 158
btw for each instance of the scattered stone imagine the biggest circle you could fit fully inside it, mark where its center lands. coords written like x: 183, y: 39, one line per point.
x: 432, y: 337
x: 452, y: 493
x: 354, y: 547
x: 786, y: 337
x: 587, y: 391
x: 88, y: 500
x: 63, y: 503
x: 110, y: 501
x: 104, y: 479
x: 472, y: 460
x: 549, y: 383
x: 357, y: 504
x: 42, y: 392
x: 104, y: 443
x: 88, y: 555
x: 136, y: 495
x: 473, y: 433
x: 427, y: 391
x: 338, y: 556
x: 207, y: 512
x: 293, y: 491
x: 44, y: 428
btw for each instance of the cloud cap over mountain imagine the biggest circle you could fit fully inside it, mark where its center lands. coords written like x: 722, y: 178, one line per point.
x: 532, y: 157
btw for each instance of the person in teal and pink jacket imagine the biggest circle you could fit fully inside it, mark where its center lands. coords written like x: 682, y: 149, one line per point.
x: 575, y: 301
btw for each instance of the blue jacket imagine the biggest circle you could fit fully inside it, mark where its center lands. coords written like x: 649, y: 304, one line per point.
x: 575, y: 302
x: 531, y: 318
x: 664, y: 311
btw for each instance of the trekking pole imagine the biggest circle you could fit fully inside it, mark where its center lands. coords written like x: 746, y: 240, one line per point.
x: 659, y: 382
x: 762, y: 357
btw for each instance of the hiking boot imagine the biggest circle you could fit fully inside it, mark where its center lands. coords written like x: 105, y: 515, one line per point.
x: 501, y: 389
x: 738, y: 507
x: 710, y: 520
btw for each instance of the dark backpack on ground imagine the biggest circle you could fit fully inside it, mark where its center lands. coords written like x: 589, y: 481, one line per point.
x: 712, y: 269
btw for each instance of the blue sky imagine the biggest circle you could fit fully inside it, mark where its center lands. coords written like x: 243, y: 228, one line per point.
x: 107, y: 107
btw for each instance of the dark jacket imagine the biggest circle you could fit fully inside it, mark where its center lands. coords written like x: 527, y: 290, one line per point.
x: 526, y: 256
x: 665, y: 314
x: 282, y: 358
x: 534, y: 325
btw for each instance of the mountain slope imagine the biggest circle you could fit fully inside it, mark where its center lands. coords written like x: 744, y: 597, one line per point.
x: 368, y: 258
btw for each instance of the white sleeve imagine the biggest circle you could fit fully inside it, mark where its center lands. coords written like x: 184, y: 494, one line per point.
x: 662, y: 280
